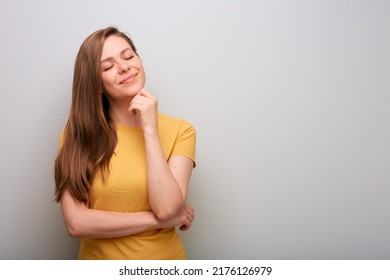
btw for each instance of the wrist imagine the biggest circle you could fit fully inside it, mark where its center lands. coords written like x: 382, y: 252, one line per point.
x: 150, y: 131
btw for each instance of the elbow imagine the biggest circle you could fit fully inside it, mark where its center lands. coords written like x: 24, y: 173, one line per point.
x: 73, y: 233
x: 74, y: 214
x: 73, y: 229
x: 164, y: 215
x: 168, y: 210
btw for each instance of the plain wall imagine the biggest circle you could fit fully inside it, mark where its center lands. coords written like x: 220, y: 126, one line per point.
x: 290, y: 100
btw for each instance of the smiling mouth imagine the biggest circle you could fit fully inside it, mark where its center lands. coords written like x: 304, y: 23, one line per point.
x: 128, y: 79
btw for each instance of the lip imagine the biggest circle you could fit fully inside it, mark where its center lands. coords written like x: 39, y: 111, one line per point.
x: 129, y: 78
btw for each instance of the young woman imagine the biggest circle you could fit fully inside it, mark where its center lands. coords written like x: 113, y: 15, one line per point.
x: 122, y: 171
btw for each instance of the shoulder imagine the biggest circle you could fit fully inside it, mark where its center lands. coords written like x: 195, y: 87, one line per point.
x: 178, y: 136
x: 173, y: 123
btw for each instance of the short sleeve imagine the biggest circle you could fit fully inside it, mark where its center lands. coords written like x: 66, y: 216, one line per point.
x: 185, y: 144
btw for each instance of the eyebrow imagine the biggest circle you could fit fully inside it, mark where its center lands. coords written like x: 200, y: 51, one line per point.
x: 111, y: 58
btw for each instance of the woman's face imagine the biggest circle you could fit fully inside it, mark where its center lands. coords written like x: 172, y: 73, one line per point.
x: 122, y: 72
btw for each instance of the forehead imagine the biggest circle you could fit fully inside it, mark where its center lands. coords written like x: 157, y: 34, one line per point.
x: 114, y: 45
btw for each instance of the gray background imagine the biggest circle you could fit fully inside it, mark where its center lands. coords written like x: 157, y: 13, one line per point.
x: 290, y: 100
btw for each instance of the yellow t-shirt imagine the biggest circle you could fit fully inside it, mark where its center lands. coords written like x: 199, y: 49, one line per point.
x: 125, y: 190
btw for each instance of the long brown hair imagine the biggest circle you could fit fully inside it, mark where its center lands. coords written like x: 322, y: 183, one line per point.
x: 89, y: 138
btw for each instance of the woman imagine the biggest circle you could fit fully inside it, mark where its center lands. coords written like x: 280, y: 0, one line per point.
x: 123, y: 169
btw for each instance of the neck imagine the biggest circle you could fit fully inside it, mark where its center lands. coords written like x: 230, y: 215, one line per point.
x: 120, y: 114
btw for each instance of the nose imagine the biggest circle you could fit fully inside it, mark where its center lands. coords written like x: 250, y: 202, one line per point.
x: 123, y: 67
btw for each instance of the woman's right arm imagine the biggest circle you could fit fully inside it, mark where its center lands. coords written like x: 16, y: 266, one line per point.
x: 81, y: 221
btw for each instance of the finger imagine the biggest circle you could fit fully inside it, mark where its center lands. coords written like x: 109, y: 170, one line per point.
x: 191, y: 218
x: 184, y: 227
x: 133, y: 109
x: 190, y: 214
x: 140, y: 100
x: 139, y: 103
x: 189, y: 221
x: 143, y: 101
x: 133, y: 112
x: 147, y: 95
x: 144, y: 92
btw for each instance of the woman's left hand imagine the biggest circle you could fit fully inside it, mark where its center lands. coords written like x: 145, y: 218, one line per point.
x: 145, y: 106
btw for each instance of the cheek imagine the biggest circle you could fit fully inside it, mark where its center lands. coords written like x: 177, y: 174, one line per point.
x: 142, y: 71
x: 107, y: 80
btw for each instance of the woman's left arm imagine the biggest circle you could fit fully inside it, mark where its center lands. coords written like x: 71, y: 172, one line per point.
x: 167, y: 181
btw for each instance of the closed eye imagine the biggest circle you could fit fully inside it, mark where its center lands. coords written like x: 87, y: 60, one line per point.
x: 108, y: 68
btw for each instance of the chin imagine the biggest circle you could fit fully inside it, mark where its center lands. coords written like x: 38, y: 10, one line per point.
x: 133, y: 92
x: 130, y: 90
